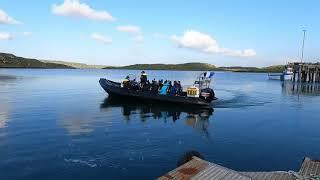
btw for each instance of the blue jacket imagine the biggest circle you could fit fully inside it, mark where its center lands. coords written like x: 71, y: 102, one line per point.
x: 163, y: 90
x: 173, y: 91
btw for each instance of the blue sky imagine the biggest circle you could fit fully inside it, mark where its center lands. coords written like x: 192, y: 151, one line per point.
x: 114, y: 32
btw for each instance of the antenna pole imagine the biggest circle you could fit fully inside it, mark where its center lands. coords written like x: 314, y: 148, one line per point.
x: 302, y: 50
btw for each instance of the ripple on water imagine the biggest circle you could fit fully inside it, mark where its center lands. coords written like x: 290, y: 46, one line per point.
x: 57, y: 120
x: 89, y: 163
x: 236, y: 99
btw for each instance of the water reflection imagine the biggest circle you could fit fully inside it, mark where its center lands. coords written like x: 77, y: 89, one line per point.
x: 296, y: 88
x: 7, y: 77
x: 4, y: 99
x: 195, y: 117
x: 76, y: 124
x: 4, y: 115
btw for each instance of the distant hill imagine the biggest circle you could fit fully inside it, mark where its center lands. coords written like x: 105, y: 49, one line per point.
x: 75, y: 65
x: 198, y: 67
x: 276, y: 68
x: 181, y: 67
x: 271, y: 69
x: 12, y: 61
x: 240, y: 69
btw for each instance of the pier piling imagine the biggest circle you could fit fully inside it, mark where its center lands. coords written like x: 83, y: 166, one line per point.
x: 305, y: 72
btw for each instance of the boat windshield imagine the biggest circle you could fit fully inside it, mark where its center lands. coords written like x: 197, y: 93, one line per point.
x: 203, y: 80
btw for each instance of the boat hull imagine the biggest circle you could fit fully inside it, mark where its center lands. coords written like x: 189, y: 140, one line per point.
x: 115, y: 89
x: 281, y: 77
x: 287, y: 77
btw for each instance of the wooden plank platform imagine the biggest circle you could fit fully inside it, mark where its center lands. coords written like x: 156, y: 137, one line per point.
x: 201, y: 169
x: 197, y: 168
x: 310, y: 168
x: 187, y: 170
x: 274, y: 175
x: 215, y: 171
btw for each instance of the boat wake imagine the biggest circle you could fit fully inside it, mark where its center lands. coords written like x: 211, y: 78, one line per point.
x: 83, y: 162
x: 240, y: 100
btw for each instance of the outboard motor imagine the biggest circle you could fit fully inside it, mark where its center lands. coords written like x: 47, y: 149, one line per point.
x: 207, y: 94
x: 203, y: 82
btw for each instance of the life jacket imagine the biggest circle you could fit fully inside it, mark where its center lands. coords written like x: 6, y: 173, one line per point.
x: 126, y: 83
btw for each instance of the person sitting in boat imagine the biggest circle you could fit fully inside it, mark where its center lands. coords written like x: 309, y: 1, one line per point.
x: 160, y: 83
x: 146, y: 86
x: 126, y: 82
x: 164, y: 88
x: 134, y: 85
x: 173, y: 89
x: 169, y: 87
x: 143, y: 78
x: 179, y: 88
x: 154, y: 86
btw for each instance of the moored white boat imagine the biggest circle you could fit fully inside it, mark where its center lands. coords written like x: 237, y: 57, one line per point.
x: 286, y: 75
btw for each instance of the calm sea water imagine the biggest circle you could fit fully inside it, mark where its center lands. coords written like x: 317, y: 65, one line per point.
x: 60, y: 124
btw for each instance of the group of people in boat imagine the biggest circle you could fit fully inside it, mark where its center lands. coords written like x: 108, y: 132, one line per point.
x: 156, y: 87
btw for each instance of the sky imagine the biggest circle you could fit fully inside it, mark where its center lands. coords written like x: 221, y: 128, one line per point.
x: 123, y: 32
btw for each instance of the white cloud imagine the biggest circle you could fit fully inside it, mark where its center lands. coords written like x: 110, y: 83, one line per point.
x: 134, y: 31
x: 5, y: 36
x: 243, y: 53
x: 205, y: 43
x: 101, y: 38
x: 139, y: 39
x: 131, y: 29
x: 6, y: 19
x: 26, y: 33
x: 74, y: 8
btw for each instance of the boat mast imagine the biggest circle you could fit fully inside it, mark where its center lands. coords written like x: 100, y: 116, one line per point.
x: 302, y: 50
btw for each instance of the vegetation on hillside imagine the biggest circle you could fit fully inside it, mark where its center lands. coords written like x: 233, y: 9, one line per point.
x: 276, y: 68
x: 179, y: 67
x: 12, y: 61
x: 75, y: 65
x: 271, y: 69
x: 198, y: 67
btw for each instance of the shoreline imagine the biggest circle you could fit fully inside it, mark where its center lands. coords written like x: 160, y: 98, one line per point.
x: 12, y: 61
x: 218, y: 70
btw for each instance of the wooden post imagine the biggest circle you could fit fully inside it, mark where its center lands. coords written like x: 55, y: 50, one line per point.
x: 299, y: 74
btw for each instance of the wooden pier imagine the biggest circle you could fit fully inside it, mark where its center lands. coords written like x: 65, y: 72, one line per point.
x: 197, y: 168
x: 305, y: 72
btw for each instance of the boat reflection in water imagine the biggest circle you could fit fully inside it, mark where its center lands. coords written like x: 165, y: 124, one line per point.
x: 297, y: 88
x: 196, y: 117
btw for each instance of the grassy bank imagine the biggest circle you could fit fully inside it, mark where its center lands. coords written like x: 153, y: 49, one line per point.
x: 198, y: 67
x: 12, y: 61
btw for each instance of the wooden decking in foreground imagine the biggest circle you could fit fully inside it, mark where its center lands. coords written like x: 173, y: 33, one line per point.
x: 201, y: 169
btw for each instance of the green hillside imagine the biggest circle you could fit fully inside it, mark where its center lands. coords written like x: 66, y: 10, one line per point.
x: 198, y: 67
x: 271, y: 69
x: 181, y: 67
x: 12, y: 61
x: 76, y: 65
